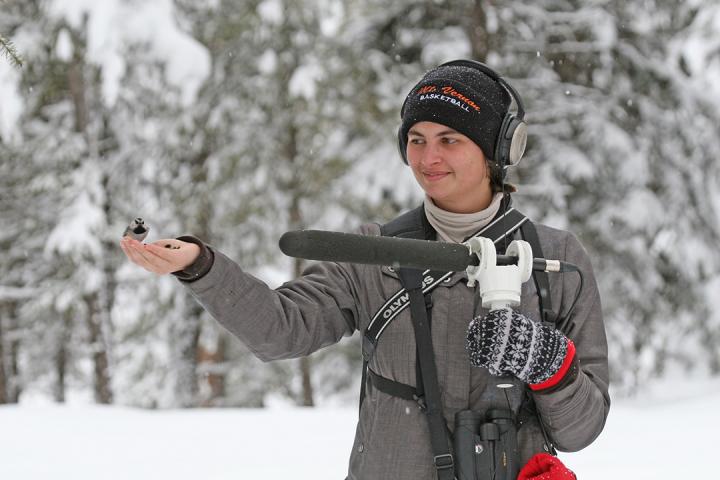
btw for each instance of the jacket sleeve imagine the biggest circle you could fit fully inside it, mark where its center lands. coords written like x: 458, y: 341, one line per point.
x: 299, y: 317
x: 575, y: 413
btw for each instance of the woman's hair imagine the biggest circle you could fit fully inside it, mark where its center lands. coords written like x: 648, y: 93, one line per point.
x: 497, y: 184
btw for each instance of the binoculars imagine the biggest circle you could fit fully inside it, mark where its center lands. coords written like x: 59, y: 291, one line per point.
x: 486, y: 445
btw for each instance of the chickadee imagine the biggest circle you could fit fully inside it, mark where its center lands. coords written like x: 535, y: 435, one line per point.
x: 137, y: 230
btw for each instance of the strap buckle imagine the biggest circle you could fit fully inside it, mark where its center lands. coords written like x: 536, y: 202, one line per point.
x: 443, y: 461
x: 420, y: 401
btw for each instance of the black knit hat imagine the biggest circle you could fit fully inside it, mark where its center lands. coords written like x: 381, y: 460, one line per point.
x: 462, y: 98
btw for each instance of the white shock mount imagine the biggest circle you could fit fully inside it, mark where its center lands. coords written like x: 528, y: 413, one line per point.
x: 499, y: 284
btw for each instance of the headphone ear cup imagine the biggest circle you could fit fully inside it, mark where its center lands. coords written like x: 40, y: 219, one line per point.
x: 402, y: 146
x: 517, y: 141
x: 502, y: 144
x: 511, y: 142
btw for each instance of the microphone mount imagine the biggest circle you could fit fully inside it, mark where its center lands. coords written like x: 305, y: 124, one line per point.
x: 499, y: 285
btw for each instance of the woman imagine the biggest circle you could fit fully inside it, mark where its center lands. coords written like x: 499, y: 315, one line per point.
x: 457, y: 136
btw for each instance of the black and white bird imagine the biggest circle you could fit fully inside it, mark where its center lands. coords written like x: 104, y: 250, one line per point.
x: 137, y: 230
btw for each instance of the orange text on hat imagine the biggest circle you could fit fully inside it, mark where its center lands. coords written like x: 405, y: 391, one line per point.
x: 427, y: 89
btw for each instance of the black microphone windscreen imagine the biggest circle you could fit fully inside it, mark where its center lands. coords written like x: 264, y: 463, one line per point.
x: 373, y: 250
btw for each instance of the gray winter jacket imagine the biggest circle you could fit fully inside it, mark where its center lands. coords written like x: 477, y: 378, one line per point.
x: 332, y: 300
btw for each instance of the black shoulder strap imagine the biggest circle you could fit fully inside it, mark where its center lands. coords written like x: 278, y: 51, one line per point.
x: 542, y: 283
x: 442, y: 458
x: 412, y: 224
x: 549, y: 317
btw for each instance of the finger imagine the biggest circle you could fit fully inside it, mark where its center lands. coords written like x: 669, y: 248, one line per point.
x: 160, y: 263
x: 180, y: 254
x: 163, y: 249
x: 162, y: 256
x: 139, y: 260
x: 141, y: 257
x: 130, y: 252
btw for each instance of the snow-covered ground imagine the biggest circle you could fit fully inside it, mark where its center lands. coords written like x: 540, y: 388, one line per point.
x: 667, y: 434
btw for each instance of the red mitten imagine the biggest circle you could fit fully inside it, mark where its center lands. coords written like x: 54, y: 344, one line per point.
x: 544, y: 466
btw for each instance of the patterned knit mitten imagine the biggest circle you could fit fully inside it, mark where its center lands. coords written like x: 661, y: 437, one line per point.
x: 507, y: 342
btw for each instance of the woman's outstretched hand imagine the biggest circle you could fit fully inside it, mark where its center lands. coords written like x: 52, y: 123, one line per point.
x: 162, y: 256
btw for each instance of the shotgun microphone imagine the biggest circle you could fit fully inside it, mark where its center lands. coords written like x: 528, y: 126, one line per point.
x: 393, y: 251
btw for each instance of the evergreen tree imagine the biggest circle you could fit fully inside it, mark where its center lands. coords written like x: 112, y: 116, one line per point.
x: 64, y: 252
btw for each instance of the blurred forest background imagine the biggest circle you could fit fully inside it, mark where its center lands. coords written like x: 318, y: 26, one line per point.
x: 239, y: 120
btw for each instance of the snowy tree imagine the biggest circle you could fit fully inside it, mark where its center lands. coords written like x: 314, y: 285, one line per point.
x: 62, y: 142
x: 13, y: 291
x: 620, y: 149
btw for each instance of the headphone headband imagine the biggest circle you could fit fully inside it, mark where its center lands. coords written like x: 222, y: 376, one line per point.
x: 520, y: 114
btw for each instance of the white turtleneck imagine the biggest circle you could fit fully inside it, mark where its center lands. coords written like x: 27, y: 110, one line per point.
x: 456, y: 227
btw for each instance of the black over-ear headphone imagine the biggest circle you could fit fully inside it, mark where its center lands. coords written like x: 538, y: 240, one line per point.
x: 512, y: 137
